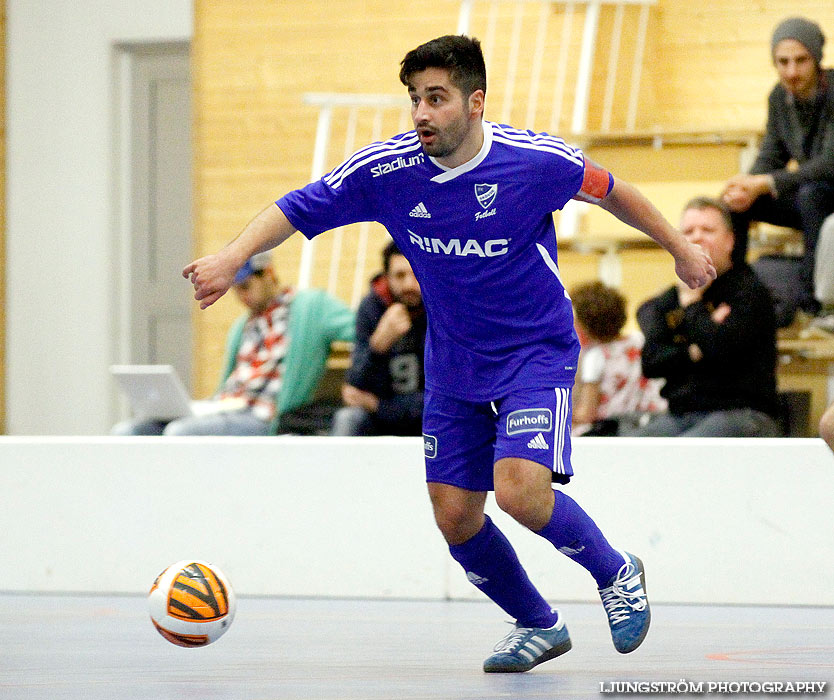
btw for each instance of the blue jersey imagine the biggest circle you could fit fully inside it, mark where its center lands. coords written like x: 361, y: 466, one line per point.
x: 481, y: 241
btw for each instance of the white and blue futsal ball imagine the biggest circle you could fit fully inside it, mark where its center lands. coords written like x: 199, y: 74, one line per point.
x: 191, y: 603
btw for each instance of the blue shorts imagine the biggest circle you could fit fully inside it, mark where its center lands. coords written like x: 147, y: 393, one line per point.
x: 462, y: 440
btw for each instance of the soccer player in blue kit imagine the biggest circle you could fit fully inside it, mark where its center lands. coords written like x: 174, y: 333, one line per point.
x: 469, y: 202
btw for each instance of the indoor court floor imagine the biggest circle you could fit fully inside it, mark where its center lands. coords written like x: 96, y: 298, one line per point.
x: 97, y: 647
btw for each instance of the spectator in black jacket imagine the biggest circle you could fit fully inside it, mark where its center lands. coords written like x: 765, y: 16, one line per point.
x: 384, y: 390
x: 715, y: 345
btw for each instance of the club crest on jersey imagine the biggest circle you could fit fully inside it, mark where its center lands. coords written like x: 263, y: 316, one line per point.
x: 429, y: 446
x: 530, y: 420
x: 486, y: 195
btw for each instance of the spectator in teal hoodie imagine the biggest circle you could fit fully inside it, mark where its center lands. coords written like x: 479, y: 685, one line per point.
x: 275, y: 356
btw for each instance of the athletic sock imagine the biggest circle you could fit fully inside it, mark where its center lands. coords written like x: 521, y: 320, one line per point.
x: 491, y: 564
x: 572, y: 531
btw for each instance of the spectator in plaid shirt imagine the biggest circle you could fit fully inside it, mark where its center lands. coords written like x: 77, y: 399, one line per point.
x: 275, y: 356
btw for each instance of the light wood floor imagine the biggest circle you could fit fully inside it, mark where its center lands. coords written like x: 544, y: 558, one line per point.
x: 97, y: 647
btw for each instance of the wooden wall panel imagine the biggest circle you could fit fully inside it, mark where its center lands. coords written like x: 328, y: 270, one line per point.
x: 707, y: 66
x: 710, y: 61
x: 253, y: 61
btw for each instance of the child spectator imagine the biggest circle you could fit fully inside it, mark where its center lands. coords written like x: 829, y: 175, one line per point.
x: 611, y: 389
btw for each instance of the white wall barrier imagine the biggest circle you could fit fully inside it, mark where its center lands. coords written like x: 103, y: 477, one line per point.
x: 715, y: 521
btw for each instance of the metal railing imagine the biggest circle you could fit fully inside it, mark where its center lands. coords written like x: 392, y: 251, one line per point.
x: 531, y: 47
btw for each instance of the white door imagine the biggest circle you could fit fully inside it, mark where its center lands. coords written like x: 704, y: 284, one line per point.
x: 156, y: 206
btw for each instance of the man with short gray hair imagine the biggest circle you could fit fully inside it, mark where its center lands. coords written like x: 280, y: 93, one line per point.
x: 714, y: 345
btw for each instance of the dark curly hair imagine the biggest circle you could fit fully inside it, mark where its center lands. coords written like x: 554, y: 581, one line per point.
x: 600, y: 309
x: 388, y: 251
x: 460, y: 55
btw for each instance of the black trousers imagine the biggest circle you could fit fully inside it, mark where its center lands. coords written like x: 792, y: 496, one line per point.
x: 804, y: 208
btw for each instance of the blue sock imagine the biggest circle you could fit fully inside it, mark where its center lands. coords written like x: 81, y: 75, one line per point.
x: 575, y: 535
x: 491, y: 564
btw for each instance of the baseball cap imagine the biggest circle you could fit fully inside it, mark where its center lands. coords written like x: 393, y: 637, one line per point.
x: 256, y: 263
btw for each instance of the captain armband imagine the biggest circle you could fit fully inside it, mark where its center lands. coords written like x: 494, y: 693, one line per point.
x: 596, y: 183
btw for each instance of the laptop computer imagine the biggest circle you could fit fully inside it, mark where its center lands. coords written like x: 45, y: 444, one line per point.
x: 154, y: 391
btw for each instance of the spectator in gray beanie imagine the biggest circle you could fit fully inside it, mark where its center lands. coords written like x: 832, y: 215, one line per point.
x: 791, y: 182
x: 804, y: 31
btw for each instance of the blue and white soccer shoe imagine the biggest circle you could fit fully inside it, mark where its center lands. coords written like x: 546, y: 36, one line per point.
x: 627, y: 606
x: 526, y: 647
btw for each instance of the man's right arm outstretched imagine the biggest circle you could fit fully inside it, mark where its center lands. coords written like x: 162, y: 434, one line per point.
x: 212, y: 275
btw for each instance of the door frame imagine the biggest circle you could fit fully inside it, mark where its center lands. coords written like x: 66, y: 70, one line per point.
x: 124, y: 58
